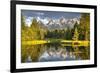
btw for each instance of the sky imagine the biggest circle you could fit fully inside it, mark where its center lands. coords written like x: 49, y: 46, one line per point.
x: 44, y: 15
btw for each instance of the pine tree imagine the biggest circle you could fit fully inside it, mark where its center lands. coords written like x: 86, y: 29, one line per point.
x: 76, y: 34
x: 75, y: 38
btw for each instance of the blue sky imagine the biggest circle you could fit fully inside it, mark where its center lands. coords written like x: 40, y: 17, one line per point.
x: 45, y: 15
x: 49, y: 14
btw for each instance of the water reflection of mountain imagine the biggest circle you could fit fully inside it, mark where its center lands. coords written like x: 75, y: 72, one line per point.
x: 46, y: 53
x: 57, y: 55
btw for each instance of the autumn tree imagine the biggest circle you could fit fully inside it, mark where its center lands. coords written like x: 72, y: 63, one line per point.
x: 85, y: 26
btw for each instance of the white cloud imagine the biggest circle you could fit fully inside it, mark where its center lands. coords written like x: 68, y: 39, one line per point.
x: 28, y: 21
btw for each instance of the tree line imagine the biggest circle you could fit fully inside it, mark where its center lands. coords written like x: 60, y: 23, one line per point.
x: 36, y: 32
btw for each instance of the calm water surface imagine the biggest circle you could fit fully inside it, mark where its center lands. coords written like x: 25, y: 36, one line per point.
x: 54, y: 52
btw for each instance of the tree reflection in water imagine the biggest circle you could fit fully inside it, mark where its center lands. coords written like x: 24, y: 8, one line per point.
x: 48, y: 52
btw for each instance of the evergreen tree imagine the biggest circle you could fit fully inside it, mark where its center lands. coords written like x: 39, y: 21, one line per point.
x: 68, y: 34
x: 76, y: 34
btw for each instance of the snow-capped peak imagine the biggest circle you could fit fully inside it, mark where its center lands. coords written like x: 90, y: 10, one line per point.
x: 54, y: 23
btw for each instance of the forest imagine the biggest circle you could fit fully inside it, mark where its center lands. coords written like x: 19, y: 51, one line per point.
x: 36, y: 32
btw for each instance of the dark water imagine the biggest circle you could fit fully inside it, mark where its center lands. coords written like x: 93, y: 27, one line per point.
x: 54, y: 52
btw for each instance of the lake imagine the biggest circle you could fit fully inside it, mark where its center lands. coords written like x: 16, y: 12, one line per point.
x: 54, y: 52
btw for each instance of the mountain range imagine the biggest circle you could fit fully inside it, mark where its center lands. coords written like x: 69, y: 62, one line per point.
x: 61, y: 23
